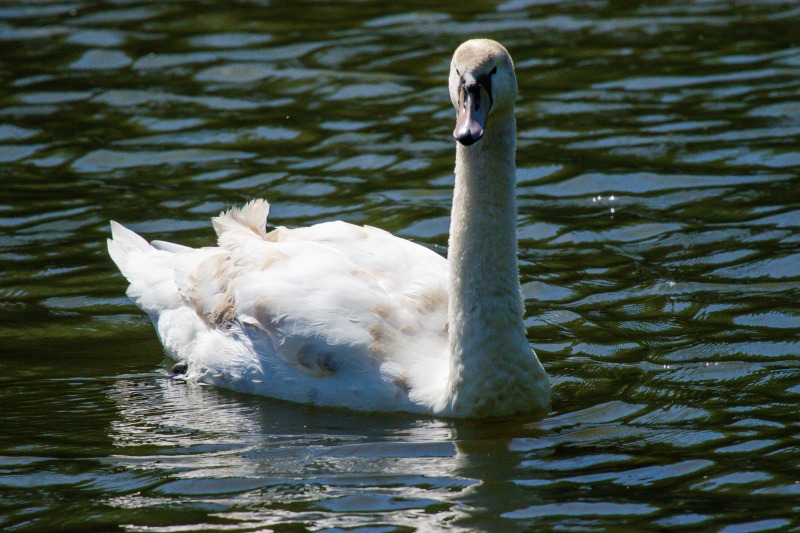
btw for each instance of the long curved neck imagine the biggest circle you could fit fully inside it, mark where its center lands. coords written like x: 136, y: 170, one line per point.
x: 483, y: 227
x: 486, y: 327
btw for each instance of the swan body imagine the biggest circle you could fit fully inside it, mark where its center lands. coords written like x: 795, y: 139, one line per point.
x: 351, y: 316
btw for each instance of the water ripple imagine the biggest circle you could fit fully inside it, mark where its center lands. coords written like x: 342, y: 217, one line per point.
x: 660, y: 262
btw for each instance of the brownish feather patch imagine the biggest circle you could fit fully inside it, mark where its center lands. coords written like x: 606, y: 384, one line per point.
x: 430, y: 302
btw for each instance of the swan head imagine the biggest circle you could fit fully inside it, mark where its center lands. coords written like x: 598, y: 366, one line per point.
x: 482, y: 83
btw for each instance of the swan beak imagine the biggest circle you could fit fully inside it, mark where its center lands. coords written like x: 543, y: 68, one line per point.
x: 471, y: 115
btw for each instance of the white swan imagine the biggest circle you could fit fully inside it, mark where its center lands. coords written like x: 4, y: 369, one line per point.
x: 350, y: 316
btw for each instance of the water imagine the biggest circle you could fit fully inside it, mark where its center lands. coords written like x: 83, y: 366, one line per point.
x: 659, y: 202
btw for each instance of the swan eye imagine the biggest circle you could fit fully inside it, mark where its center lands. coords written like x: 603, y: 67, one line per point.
x: 485, y: 81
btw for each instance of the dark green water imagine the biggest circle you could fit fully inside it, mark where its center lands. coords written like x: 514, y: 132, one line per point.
x: 659, y: 238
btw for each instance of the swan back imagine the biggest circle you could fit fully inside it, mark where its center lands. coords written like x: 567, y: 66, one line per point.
x: 333, y: 314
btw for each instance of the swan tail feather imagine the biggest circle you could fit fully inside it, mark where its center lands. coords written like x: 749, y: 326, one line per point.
x: 251, y: 217
x: 148, y: 269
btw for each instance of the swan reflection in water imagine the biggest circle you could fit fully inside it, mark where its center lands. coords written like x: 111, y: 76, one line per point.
x: 264, y: 461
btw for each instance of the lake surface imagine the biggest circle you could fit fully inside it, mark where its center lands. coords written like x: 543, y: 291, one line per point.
x: 659, y: 226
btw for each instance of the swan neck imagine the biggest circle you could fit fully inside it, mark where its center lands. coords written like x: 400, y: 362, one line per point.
x: 486, y: 328
x: 483, y: 228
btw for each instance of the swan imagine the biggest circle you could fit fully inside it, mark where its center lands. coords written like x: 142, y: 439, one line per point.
x: 348, y: 316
